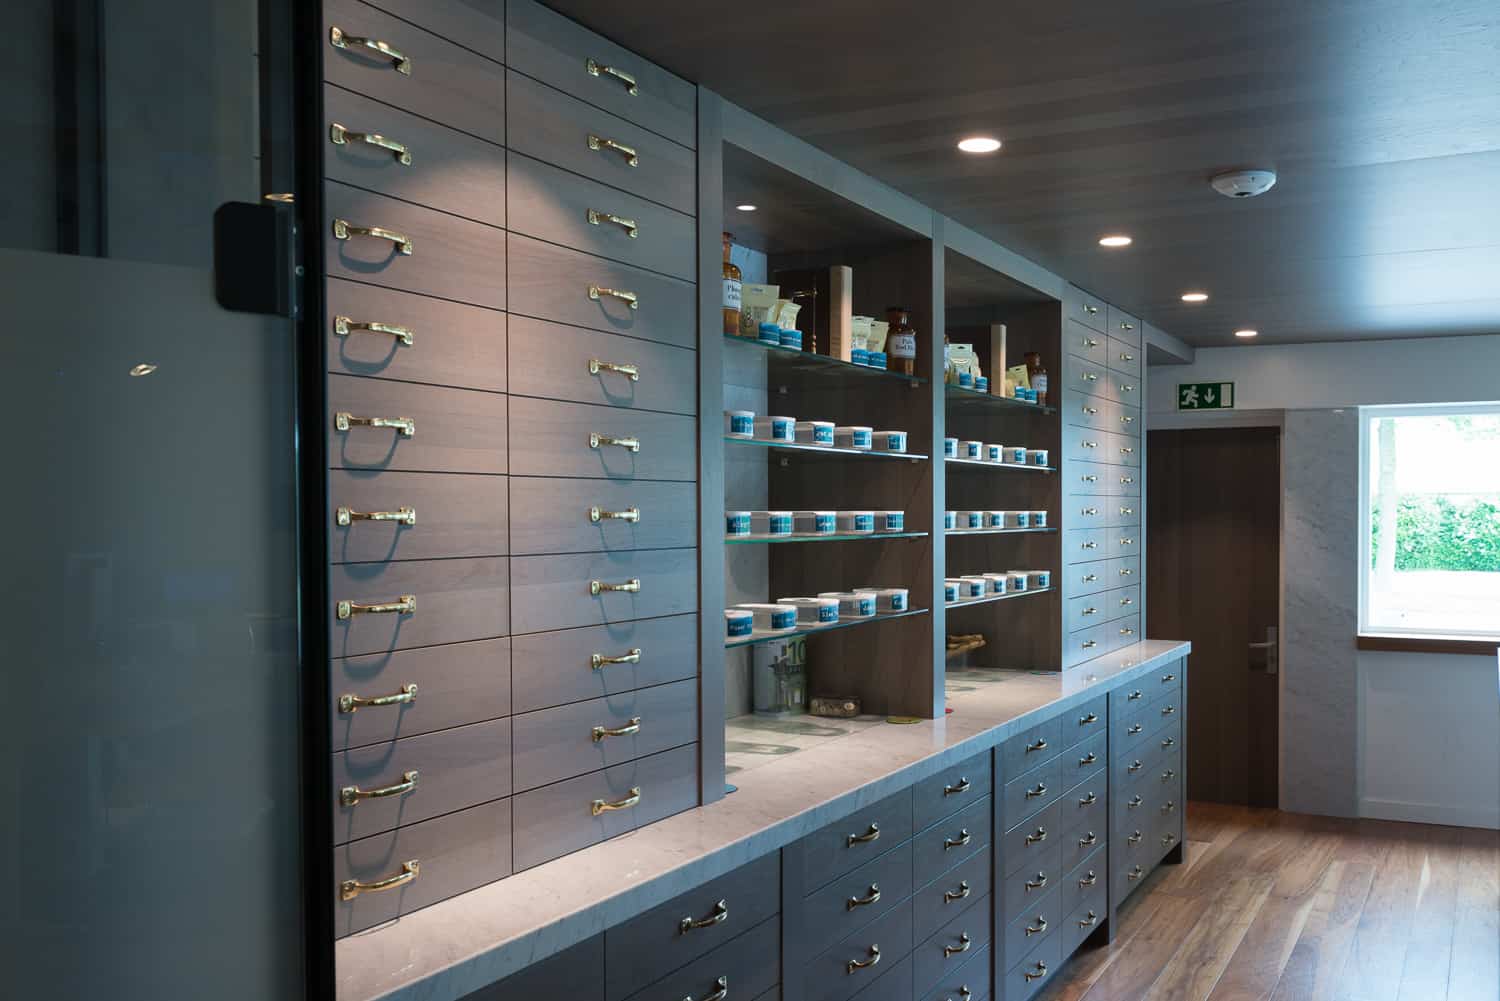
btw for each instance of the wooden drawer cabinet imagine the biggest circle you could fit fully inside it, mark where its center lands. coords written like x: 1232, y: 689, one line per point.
x: 574, y: 516
x: 1124, y: 327
x: 1083, y: 759
x: 893, y: 985
x: 452, y: 430
x: 1124, y: 358
x: 952, y: 893
x: 1085, y: 342
x: 951, y: 790
x: 750, y: 962
x: 1085, y: 644
x: 1125, y: 388
x: 1085, y: 878
x: 1088, y: 836
x: 1084, y: 308
x: 1028, y: 748
x: 474, y: 24
x: 571, y: 665
x: 559, y: 592
x: 951, y: 946
x: 454, y: 684
x: 1087, y: 578
x: 857, y: 838
x: 1087, y: 916
x: 558, y: 362
x: 1086, y: 805
x: 834, y: 976
x: 1084, y: 722
x: 1083, y: 545
x: 1024, y: 887
x: 451, y: 601
x: 950, y: 841
x: 451, y: 344
x: 1081, y: 376
x: 1025, y: 844
x: 856, y: 898
x: 419, y: 516
x: 1084, y: 611
x: 1038, y: 920
x: 573, y: 439
x: 1032, y: 973
x: 1125, y: 540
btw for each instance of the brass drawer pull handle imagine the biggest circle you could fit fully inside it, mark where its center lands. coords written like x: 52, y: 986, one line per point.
x: 1090, y: 342
x: 718, y: 995
x: 1089, y: 578
x: 1126, y: 602
x: 598, y: 291
x: 405, y: 426
x: 597, y: 218
x: 962, y: 893
x: 630, y: 514
x: 1040, y: 745
x: 341, y: 136
x: 604, y: 806
x: 1168, y: 806
x: 962, y: 786
x: 633, y: 727
x: 1037, y: 836
x: 351, y: 795
x: 1040, y: 790
x: 1135, y: 696
x: 1089, y: 880
x: 404, y: 605
x: 596, y: 68
x: 963, y: 992
x: 1089, y: 611
x: 1090, y: 545
x: 1091, y: 478
x: 1089, y: 644
x: 963, y: 838
x: 1089, y: 444
x: 1089, y: 921
x: 1135, y: 873
x: 1168, y: 775
x: 964, y: 942
x: 1168, y: 742
x: 1091, y: 718
x: 599, y: 660
x: 1126, y: 357
x: 1091, y: 310
x: 339, y: 40
x: 632, y: 158
x: 1089, y: 800
x: 344, y: 326
x: 1135, y: 837
x: 346, y: 516
x: 866, y: 900
x: 1168, y: 710
x: 1091, y: 376
x: 596, y: 366
x: 719, y: 916
x: 1136, y: 766
x: 1038, y: 883
x: 1167, y: 679
x: 860, y: 964
x: 343, y: 229
x: 1088, y: 759
x: 1038, y: 928
x: 1089, y: 512
x: 1089, y: 840
x: 354, y: 703
x: 1127, y: 450
x: 599, y: 440
x: 1127, y: 542
x: 1091, y: 410
x: 631, y: 586
x: 1041, y: 967
x: 351, y: 888
x: 1167, y: 839
x: 1135, y: 801
x: 1135, y: 729
x: 873, y: 834
x: 1127, y: 480
x: 1126, y: 326
x: 1127, y: 388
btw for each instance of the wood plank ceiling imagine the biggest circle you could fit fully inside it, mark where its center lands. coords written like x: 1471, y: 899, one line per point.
x: 1382, y: 118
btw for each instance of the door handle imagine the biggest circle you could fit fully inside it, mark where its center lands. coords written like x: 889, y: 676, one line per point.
x: 1272, y: 648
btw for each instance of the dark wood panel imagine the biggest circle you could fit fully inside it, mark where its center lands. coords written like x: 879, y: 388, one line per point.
x: 855, y: 899
x: 944, y: 897
x: 951, y: 789
x: 452, y: 601
x: 951, y: 946
x: 559, y: 362
x: 451, y: 344
x: 452, y: 514
x: 556, y: 515
x: 456, y: 684
x: 574, y: 973
x: 558, y: 667
x: 556, y: 592
x: 556, y: 439
x: 473, y: 24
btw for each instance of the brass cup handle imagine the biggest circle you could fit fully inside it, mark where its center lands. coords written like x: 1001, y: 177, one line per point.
x: 596, y: 366
x: 404, y: 605
x: 1040, y: 790
x: 1090, y: 377
x: 597, y: 68
x: 1088, y: 759
x: 1091, y: 310
x: 596, y: 292
x: 1135, y: 729
x: 604, y: 806
x: 1135, y: 696
x: 597, y: 440
x: 343, y: 229
x: 1089, y: 840
x: 1088, y: 880
x: 344, y: 326
x: 1089, y: 512
x: 600, y: 732
x: 1037, y: 836
x: 964, y: 837
x: 405, y: 426
x: 719, y: 916
x: 1126, y: 357
x: 341, y: 136
x: 720, y: 993
x: 1089, y: 921
x: 339, y: 40
x: 1168, y: 806
x: 346, y: 516
x: 631, y: 586
x: 1135, y: 801
x: 1038, y: 928
x: 630, y: 514
x: 632, y: 158
x: 1135, y: 837
x: 1089, y: 800
x: 1090, y: 545
x: 1167, y: 679
x: 1041, y: 967
x: 867, y: 899
x: 1091, y: 478
x: 963, y: 891
x: 1038, y: 883
x: 1126, y: 572
x: 598, y: 661
x: 1168, y: 710
x: 598, y: 218
x: 963, y: 785
x: 1135, y: 766
x: 354, y: 703
x: 351, y: 888
x: 351, y: 795
x: 1090, y: 719
x: 964, y: 943
x: 1040, y: 745
x: 873, y: 834
x: 1089, y: 578
x: 1136, y: 873
x: 860, y: 964
x: 1091, y: 342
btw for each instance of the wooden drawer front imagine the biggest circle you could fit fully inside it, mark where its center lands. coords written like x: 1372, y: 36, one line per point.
x: 654, y: 943
x: 1124, y: 358
x: 1089, y: 478
x: 1164, y: 708
x: 556, y: 515
x: 554, y: 283
x: 455, y: 684
x: 1125, y: 482
x: 1128, y: 876
x: 454, y: 430
x: 554, y: 205
x: 1083, y: 545
x: 1126, y: 631
x: 1125, y: 512
x: 1023, y: 751
x: 945, y: 844
x: 1127, y: 420
x: 553, y: 592
x: 1088, y: 411
x: 453, y: 514
x: 1087, y: 578
x: 1127, y: 739
x: 829, y: 977
x: 451, y: 344
x: 1089, y: 512
x: 1084, y: 377
x: 559, y: 743
x: 1086, y: 343
x: 1086, y: 309
x: 831, y: 913
x: 1086, y: 807
x: 448, y: 83
x: 893, y: 985
x: 554, y: 439
x: 558, y: 362
x: 1089, y: 836
x: 1125, y: 389
x: 751, y: 962
x: 449, y: 170
x: 1024, y: 887
x: 1085, y: 644
x: 455, y: 853
x: 455, y: 769
x: 1124, y: 450
x: 951, y: 789
x: 1164, y: 741
x: 951, y: 947
x: 953, y: 892
x: 1031, y: 793
x: 451, y: 258
x: 556, y: 668
x: 1085, y: 877
x: 969, y: 982
x: 1124, y: 571
x: 1030, y: 841
x: 1085, y: 611
x: 1125, y: 540
x: 558, y: 819
x: 551, y: 126
x: 1130, y: 767
x: 1084, y: 759
x: 1170, y: 676
x: 1036, y: 922
x: 1080, y: 923
x: 1124, y: 327
x: 1131, y: 695
x: 1040, y: 964
x: 558, y: 51
x: 1085, y: 721
x: 1134, y: 808
x: 833, y: 851
x: 452, y: 601
x: 577, y: 972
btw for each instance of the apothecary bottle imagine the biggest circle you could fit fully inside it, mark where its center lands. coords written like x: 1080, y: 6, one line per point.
x: 733, y: 286
x: 1036, y: 374
x: 901, y: 341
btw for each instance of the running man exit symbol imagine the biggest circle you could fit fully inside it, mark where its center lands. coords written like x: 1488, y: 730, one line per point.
x: 1205, y: 396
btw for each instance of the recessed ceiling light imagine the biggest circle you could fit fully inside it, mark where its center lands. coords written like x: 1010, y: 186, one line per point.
x: 1195, y: 297
x: 746, y: 207
x: 1115, y: 240
x: 979, y: 144
x: 1246, y: 333
x: 144, y: 368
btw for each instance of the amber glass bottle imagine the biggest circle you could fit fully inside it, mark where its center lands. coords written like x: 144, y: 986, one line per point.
x: 901, y: 341
x: 732, y: 289
x: 1036, y: 374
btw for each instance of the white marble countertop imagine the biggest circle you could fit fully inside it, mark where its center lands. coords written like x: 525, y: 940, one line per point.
x: 452, y: 948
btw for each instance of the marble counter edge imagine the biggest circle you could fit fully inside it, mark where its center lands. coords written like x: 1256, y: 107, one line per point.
x: 424, y: 956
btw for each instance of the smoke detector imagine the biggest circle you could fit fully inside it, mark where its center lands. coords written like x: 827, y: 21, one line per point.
x: 1243, y: 183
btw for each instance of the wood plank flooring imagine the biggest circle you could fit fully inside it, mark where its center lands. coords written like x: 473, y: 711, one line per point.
x: 1271, y: 906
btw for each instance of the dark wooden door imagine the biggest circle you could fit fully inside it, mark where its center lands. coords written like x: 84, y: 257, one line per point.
x: 1213, y: 575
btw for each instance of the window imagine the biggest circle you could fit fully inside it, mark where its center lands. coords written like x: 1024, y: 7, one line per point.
x: 1430, y: 520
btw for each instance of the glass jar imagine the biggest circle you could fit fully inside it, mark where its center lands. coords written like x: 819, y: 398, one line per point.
x: 733, y: 287
x: 901, y: 341
x: 1036, y: 374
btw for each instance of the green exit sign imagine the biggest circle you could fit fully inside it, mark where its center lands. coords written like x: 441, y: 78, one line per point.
x: 1205, y: 396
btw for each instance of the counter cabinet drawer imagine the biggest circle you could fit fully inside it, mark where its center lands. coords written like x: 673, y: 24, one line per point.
x: 558, y: 362
x: 559, y: 515
x: 893, y: 985
x: 1086, y: 309
x: 1081, y: 377
x: 853, y: 840
x: 1085, y: 342
x: 1125, y: 389
x: 416, y: 428
x: 1084, y: 545
x: 751, y: 962
x: 379, y: 607
x: 1165, y: 705
x: 1128, y: 877
x: 1125, y: 449
x: 439, y: 858
x: 1127, y: 738
x: 1125, y: 540
x: 575, y: 973
x: 1170, y: 675
x: 969, y: 982
x: 855, y: 961
x: 1088, y: 479
x: 1028, y: 748
x: 451, y: 344
x: 1085, y: 807
x: 1123, y: 327
x: 1125, y: 512
x: 1085, y: 877
x: 1038, y: 921
x: 1127, y: 420
x: 729, y: 909
x: 950, y: 841
x: 1085, y: 722
x: 558, y: 819
x: 1084, y: 919
x: 1085, y: 611
x: 1083, y: 444
x: 571, y: 665
x: 1024, y: 887
x: 379, y: 516
x: 1086, y: 644
x: 574, y: 439
x: 1082, y: 760
x: 391, y: 695
x: 952, y: 946
x: 383, y: 786
x: 951, y: 789
x: 559, y: 592
x: 952, y: 893
x: 1024, y: 980
x: 1124, y: 358
x: 855, y: 899
x: 1088, y: 841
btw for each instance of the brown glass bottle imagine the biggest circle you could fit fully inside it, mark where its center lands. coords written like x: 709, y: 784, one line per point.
x: 900, y: 341
x: 732, y: 289
x: 1036, y: 374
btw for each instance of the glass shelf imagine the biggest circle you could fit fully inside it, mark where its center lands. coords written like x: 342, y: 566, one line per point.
x: 1013, y: 466
x: 998, y: 531
x: 973, y: 401
x: 739, y: 641
x: 863, y: 453
x: 797, y: 360
x: 996, y: 597
x: 745, y: 540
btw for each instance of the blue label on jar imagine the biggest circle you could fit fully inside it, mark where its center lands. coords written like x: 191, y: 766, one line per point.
x: 982, y: 384
x: 1017, y: 583
x: 866, y: 606
x: 1037, y: 458
x: 783, y: 618
x: 992, y: 453
x: 950, y: 519
x: 971, y: 449
x: 1039, y: 519
x: 973, y: 519
x: 862, y: 438
x: 1017, y: 455
x: 1044, y: 580
x: 864, y: 523
x: 783, y: 430
x: 995, y: 519
x: 741, y: 424
x: 741, y: 626
x: 895, y: 521
x: 823, y: 435
x: 791, y: 338
x: 779, y: 524
x: 997, y: 585
x: 737, y: 524
x: 825, y: 523
x: 859, y: 356
x: 828, y: 613
x: 898, y: 602
x: 965, y: 380
x: 950, y: 447
x: 950, y: 592
x: 975, y: 588
x: 895, y: 441
x: 1023, y: 519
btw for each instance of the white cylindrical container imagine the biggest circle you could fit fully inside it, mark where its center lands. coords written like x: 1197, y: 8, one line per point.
x: 771, y: 522
x: 952, y: 588
x: 950, y: 520
x: 971, y: 450
x: 972, y: 586
x: 776, y: 428
x: 736, y: 523
x: 1015, y: 581
x: 1018, y: 519
x: 739, y: 423
x: 950, y: 448
x: 856, y: 522
x: 815, y: 522
x: 1037, y: 579
x: 853, y: 604
x: 814, y: 432
x: 994, y: 519
x: 814, y: 611
x: 739, y: 622
x: 1015, y: 454
x: 998, y: 582
x: 888, y: 599
x: 890, y: 441
x: 1038, y: 519
x: 1036, y: 456
x: 994, y: 453
x: 773, y: 618
x: 854, y: 436
x: 890, y: 521
x: 970, y: 520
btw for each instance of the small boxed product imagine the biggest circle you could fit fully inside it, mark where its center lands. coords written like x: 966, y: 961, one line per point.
x: 814, y: 432
x: 854, y: 436
x: 878, y: 359
x: 1036, y: 456
x: 736, y: 523
x: 854, y: 604
x: 888, y: 599
x: 791, y: 338
x: 771, y: 522
x: 971, y: 449
x: 772, y: 618
x: 776, y: 429
x: 814, y: 611
x: 815, y: 522
x: 856, y: 522
x: 1015, y: 454
x: 739, y: 423
x: 1018, y: 519
x: 890, y: 521
x: 756, y: 303
x: 859, y: 356
x: 769, y: 333
x: 890, y: 441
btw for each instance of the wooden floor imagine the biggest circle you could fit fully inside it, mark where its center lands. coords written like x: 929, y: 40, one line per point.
x: 1271, y: 906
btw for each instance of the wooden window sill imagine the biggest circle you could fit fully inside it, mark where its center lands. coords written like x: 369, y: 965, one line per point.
x: 1428, y: 644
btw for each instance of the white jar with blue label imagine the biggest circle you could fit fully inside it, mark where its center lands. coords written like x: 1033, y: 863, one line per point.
x: 739, y: 622
x: 998, y: 582
x: 853, y: 604
x: 950, y: 520
x: 952, y: 587
x: 974, y: 586
x: 1037, y: 579
x: 971, y: 450
x: 890, y: 521
x: 1018, y: 519
x: 854, y: 436
x: 950, y: 448
x: 856, y: 522
x: 859, y: 356
x: 1015, y: 454
x: 1036, y: 457
x: 1038, y: 519
x: 878, y: 359
x: 814, y: 432
x: 971, y: 520
x: 890, y: 441
x: 887, y: 599
x: 773, y: 618
x: 994, y: 519
x: 1015, y: 581
x: 815, y: 522
x: 814, y: 611
x: 982, y: 384
x: 771, y: 523
x: 994, y: 453
x: 739, y: 423
x: 791, y: 338
x: 736, y: 523
x: 783, y: 429
x: 770, y: 334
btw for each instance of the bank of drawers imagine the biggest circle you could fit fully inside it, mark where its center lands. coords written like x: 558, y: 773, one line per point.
x: 1146, y: 759
x: 512, y: 418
